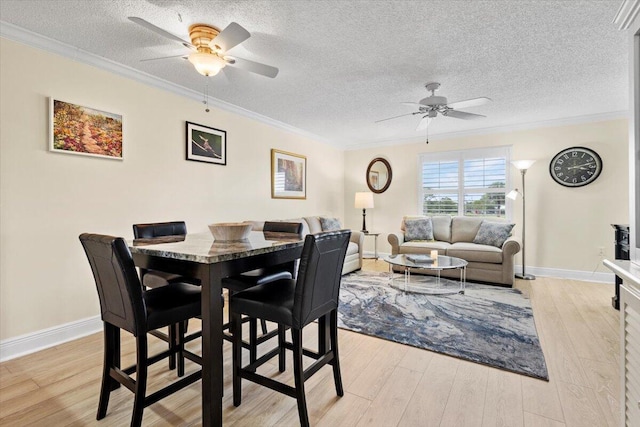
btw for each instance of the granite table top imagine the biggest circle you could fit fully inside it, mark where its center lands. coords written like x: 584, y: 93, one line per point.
x: 203, y: 248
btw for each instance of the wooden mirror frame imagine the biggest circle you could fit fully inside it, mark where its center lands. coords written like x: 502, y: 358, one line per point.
x: 389, y: 175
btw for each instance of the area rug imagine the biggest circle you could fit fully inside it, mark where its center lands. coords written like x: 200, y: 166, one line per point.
x: 488, y: 324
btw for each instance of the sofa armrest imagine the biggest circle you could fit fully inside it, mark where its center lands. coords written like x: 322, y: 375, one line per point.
x: 511, y: 246
x: 395, y: 240
x: 358, y: 238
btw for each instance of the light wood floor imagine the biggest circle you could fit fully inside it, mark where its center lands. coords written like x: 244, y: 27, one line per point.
x: 386, y: 384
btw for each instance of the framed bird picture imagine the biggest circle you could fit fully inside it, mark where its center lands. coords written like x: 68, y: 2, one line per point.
x: 205, y: 144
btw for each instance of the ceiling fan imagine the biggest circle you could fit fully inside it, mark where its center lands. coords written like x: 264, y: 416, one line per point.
x: 210, y: 47
x: 430, y: 106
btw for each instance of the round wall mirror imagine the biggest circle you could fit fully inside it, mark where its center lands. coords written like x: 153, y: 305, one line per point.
x: 379, y: 175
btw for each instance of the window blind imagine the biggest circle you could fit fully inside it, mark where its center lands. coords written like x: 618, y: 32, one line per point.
x: 468, y: 182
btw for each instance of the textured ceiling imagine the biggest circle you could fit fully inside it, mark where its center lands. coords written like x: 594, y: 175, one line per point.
x: 345, y: 64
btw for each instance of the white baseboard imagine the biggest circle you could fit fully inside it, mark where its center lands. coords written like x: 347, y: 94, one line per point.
x: 30, y: 343
x: 587, y: 276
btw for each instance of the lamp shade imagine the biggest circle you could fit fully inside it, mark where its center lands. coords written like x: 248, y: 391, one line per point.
x: 523, y: 164
x: 364, y: 200
x: 207, y: 64
x: 513, y: 194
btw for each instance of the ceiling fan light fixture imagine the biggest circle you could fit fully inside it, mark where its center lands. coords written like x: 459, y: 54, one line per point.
x: 207, y: 64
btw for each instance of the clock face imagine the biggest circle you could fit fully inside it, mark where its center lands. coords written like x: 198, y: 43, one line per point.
x: 575, y: 167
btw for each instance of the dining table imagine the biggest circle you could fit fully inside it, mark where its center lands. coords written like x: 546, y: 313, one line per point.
x: 202, y: 257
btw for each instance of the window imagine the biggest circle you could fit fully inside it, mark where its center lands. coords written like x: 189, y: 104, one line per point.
x: 469, y: 182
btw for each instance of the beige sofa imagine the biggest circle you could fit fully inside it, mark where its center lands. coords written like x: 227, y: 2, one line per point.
x: 453, y: 236
x: 311, y: 225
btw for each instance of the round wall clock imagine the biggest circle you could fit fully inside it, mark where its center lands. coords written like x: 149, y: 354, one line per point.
x: 575, y: 166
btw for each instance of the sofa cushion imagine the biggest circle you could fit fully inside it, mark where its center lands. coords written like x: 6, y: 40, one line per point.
x: 330, y: 224
x: 464, y: 228
x: 418, y: 229
x: 474, y: 252
x: 493, y: 233
x: 424, y: 247
x: 442, y: 227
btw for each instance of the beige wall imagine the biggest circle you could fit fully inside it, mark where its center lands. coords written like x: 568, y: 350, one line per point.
x: 565, y: 226
x: 48, y: 199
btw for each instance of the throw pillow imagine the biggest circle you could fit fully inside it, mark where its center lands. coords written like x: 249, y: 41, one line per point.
x: 330, y: 224
x: 418, y: 229
x: 493, y: 233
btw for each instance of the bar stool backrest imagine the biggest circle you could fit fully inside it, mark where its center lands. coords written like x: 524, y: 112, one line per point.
x: 119, y: 289
x: 318, y: 283
x: 159, y: 229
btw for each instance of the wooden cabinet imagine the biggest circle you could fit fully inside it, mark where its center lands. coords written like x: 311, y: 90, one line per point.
x: 629, y: 340
x: 630, y: 327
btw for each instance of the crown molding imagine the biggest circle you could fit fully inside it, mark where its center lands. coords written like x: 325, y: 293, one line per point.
x: 24, y: 36
x: 568, y: 121
x: 628, y: 11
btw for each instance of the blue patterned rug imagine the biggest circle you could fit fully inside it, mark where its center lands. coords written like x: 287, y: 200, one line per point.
x: 488, y: 324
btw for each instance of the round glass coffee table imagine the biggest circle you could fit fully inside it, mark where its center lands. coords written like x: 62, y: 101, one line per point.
x: 428, y: 285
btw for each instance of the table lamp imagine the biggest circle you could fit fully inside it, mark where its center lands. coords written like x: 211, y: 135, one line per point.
x: 364, y: 201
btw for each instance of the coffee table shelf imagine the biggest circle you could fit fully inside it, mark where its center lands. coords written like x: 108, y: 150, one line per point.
x: 434, y: 287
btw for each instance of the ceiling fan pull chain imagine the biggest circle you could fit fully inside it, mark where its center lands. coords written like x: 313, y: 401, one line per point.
x: 205, y: 101
x: 427, y: 135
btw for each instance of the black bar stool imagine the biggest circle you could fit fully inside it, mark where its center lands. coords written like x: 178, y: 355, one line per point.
x: 273, y: 230
x: 294, y: 304
x: 156, y: 278
x: 125, y: 304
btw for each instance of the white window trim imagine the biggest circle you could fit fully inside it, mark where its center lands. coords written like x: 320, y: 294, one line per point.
x: 467, y: 154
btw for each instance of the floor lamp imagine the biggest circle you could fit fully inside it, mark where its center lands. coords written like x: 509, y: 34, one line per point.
x: 522, y: 166
x: 364, y: 201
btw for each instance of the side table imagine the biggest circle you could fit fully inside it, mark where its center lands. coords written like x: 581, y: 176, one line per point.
x: 375, y: 244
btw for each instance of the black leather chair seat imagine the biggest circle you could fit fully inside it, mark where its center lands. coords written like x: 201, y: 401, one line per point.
x: 171, y: 304
x: 254, y: 278
x: 271, y: 301
x: 156, y: 279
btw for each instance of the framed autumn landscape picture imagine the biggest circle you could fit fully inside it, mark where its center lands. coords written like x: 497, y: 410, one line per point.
x: 77, y: 129
x: 288, y: 175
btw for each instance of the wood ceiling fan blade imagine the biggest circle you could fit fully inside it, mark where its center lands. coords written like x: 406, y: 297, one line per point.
x: 469, y: 102
x: 231, y: 36
x: 149, y: 26
x: 395, y: 117
x: 183, y: 56
x: 462, y: 115
x: 424, y: 123
x: 253, y: 67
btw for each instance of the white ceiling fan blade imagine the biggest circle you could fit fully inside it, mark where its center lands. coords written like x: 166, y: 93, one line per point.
x: 252, y: 66
x: 462, y: 115
x: 149, y: 26
x: 424, y: 123
x: 395, y: 117
x: 183, y: 56
x: 469, y: 102
x: 231, y: 36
